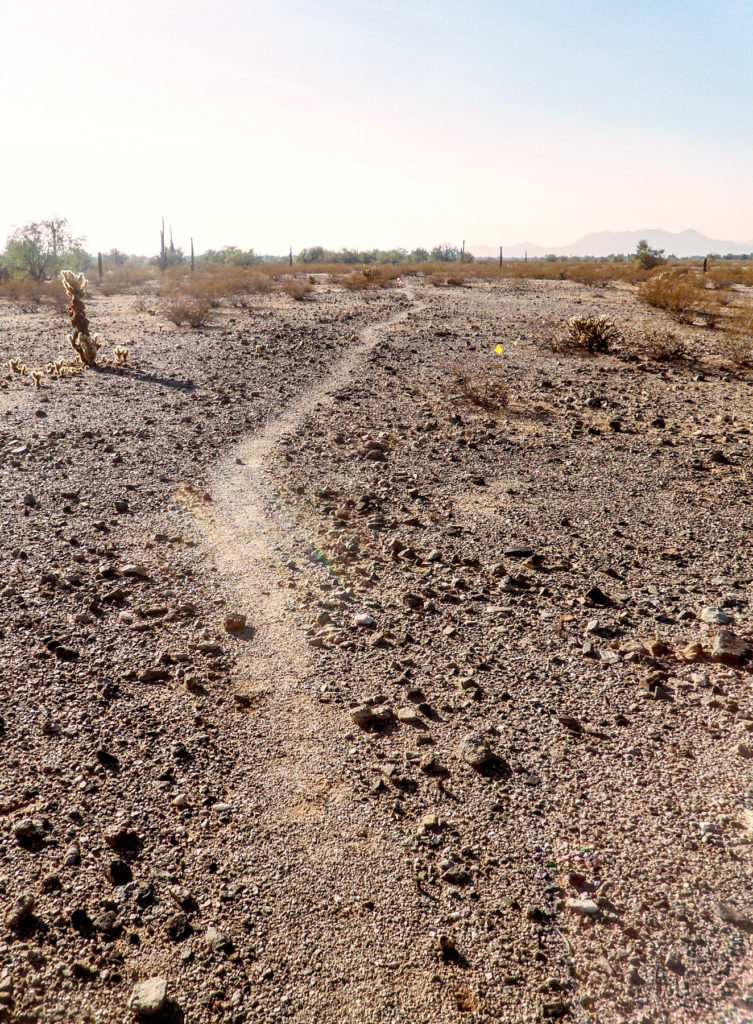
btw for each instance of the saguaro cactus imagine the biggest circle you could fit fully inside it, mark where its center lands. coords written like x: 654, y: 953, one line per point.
x: 83, y: 343
x: 162, y: 261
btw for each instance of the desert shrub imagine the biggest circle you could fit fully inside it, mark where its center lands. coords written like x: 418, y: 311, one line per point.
x: 441, y: 278
x: 663, y: 346
x: 738, y: 348
x: 54, y: 295
x: 597, y: 275
x: 28, y: 293
x: 738, y: 342
x: 23, y: 291
x: 727, y: 273
x: 587, y: 333
x: 370, y: 277
x: 124, y: 279
x: 647, y: 257
x: 296, y: 289
x: 683, y: 297
x: 181, y: 308
x: 215, y: 283
x: 484, y: 390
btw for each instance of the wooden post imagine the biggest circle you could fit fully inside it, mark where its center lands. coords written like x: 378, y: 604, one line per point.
x: 500, y: 255
x: 705, y: 263
x: 525, y: 258
x: 192, y: 259
x: 290, y: 257
x: 99, y: 264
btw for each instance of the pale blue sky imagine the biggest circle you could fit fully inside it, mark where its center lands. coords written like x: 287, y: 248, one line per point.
x: 339, y: 122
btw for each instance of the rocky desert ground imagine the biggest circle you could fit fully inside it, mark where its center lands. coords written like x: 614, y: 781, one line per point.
x: 329, y: 694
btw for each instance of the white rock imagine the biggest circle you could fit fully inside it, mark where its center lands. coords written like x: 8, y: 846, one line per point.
x: 364, y: 620
x: 586, y: 908
x: 715, y: 616
x: 148, y: 997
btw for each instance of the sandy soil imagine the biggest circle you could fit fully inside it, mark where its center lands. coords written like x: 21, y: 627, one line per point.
x: 482, y: 751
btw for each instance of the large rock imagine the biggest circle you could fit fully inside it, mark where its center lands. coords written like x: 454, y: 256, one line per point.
x: 729, y: 648
x: 475, y: 750
x: 19, y: 911
x: 148, y: 997
x: 731, y: 915
x: 715, y: 616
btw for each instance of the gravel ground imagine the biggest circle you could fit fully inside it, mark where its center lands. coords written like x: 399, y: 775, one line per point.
x: 329, y: 695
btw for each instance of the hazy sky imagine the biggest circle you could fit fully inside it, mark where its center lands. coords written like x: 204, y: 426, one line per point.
x: 356, y: 123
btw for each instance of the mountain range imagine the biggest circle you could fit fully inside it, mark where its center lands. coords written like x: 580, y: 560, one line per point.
x: 607, y: 243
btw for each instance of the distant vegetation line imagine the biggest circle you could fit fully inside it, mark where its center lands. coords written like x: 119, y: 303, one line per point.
x: 40, y: 249
x: 189, y: 287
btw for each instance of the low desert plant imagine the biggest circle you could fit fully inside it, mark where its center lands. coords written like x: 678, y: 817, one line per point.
x: 683, y: 297
x: 738, y: 348
x: 738, y: 343
x: 296, y: 289
x: 369, y: 277
x: 85, y: 345
x: 28, y: 293
x: 125, y: 279
x: 484, y: 390
x: 441, y: 279
x: 587, y: 333
x: 663, y: 346
x: 216, y: 283
x: 182, y: 309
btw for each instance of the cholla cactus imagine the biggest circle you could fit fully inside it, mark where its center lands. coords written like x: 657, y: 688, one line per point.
x: 593, y: 333
x: 84, y: 344
x: 121, y: 354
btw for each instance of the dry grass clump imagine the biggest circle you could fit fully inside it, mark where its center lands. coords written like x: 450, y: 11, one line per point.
x: 484, y: 391
x: 443, y: 279
x: 663, y: 346
x: 296, y: 289
x: 186, y: 309
x: 589, y: 333
x: 738, y: 343
x: 370, y: 277
x: 683, y: 297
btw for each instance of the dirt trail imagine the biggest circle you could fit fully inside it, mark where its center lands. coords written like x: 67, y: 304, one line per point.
x: 249, y: 532
x: 299, y: 794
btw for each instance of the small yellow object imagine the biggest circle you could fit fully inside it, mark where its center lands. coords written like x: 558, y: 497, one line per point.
x: 498, y: 350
